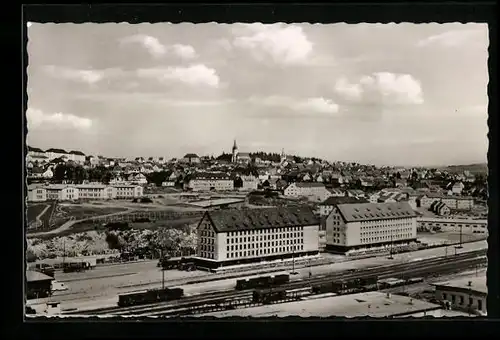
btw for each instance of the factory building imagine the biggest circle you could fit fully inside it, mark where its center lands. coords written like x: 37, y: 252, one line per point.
x: 239, y: 236
x: 464, y: 294
x: 363, y: 226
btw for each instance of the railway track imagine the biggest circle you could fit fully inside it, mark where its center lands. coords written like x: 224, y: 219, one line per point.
x: 383, y: 271
x: 245, y: 301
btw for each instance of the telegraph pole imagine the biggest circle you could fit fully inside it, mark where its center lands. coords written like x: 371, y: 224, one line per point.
x: 390, y: 249
x: 162, y: 270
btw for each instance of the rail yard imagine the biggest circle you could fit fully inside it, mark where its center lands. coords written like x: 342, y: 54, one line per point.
x: 195, y: 293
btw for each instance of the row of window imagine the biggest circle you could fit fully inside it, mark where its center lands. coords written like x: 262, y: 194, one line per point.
x: 264, y: 231
x: 461, y: 301
x: 262, y: 244
x: 384, y: 232
x: 205, y: 240
x: 265, y: 237
x: 207, y: 255
x: 207, y: 247
x: 207, y: 233
x: 384, y: 238
x: 265, y: 251
x: 438, y: 224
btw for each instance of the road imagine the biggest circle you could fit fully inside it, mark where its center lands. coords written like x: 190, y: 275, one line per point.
x: 128, y: 277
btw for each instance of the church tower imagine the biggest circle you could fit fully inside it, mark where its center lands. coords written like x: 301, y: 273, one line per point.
x: 235, y: 151
x: 283, y: 156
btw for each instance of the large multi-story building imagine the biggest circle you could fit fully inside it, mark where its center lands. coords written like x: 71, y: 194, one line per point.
x: 249, y: 183
x: 68, y: 192
x: 314, y: 191
x: 211, y: 182
x: 370, y: 225
x: 236, y: 236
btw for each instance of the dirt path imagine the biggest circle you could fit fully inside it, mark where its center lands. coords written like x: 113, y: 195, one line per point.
x: 70, y: 223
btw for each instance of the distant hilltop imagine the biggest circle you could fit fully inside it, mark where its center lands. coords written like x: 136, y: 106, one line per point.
x: 472, y: 168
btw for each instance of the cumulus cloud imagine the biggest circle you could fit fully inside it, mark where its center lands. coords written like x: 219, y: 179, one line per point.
x: 389, y: 87
x: 198, y: 74
x: 152, y: 44
x: 38, y: 119
x: 310, y: 105
x: 184, y: 51
x: 452, y: 38
x: 283, y: 44
x: 158, y: 50
x: 84, y: 76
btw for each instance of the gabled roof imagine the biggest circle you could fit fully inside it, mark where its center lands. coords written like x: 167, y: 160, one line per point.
x: 191, y: 155
x: 375, y: 211
x: 331, y: 201
x: 77, y: 153
x: 309, y: 185
x: 263, y: 218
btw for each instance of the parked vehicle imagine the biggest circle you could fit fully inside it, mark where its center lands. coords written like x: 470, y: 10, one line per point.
x: 70, y: 267
x: 58, y: 286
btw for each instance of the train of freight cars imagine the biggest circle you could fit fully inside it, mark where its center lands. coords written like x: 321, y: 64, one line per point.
x: 262, y: 282
x: 149, y: 296
x: 180, y: 263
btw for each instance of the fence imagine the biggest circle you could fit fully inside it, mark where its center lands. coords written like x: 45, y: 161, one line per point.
x: 150, y: 215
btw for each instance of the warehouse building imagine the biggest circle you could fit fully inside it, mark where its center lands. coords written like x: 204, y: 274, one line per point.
x: 363, y: 226
x: 465, y: 294
x: 70, y: 192
x: 37, y: 284
x: 239, y: 236
x: 465, y: 226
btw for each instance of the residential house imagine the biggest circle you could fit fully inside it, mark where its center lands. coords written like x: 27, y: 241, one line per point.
x: 191, y: 158
x: 314, y: 191
x: 55, y: 153
x: 335, y: 192
x: 76, y: 156
x: 355, y: 193
x: 48, y: 173
x: 243, y: 157
x: 457, y: 188
x: 36, y: 193
x: 440, y: 208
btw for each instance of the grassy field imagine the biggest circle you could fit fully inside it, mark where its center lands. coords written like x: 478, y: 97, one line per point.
x: 79, y: 212
x: 34, y: 210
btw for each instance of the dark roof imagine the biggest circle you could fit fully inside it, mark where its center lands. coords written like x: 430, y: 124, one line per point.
x: 73, y: 152
x: 375, y: 211
x: 191, y: 155
x: 262, y: 218
x: 34, y: 149
x: 33, y: 276
x: 309, y: 184
x: 56, y: 150
x: 343, y: 200
x: 210, y: 175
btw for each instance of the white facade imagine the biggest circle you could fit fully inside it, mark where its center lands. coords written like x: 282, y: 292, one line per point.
x: 313, y: 191
x: 249, y: 183
x: 64, y: 192
x: 208, y: 183
x: 368, y: 232
x: 468, y: 226
x: 255, y: 243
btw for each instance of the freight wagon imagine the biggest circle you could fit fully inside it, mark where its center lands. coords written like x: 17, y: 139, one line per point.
x: 181, y: 263
x: 262, y: 282
x: 149, y: 296
x: 280, y: 294
x: 346, y: 286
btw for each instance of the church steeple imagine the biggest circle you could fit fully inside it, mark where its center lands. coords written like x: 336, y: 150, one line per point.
x: 235, y: 152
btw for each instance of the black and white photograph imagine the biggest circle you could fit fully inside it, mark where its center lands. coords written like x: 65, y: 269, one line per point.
x: 256, y: 170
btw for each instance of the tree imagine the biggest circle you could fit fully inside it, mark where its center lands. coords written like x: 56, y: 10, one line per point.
x: 59, y: 173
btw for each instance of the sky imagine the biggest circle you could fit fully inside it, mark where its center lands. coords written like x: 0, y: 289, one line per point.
x: 384, y: 94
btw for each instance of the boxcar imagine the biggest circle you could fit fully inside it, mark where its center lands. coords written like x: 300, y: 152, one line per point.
x: 267, y: 296
x: 281, y: 279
